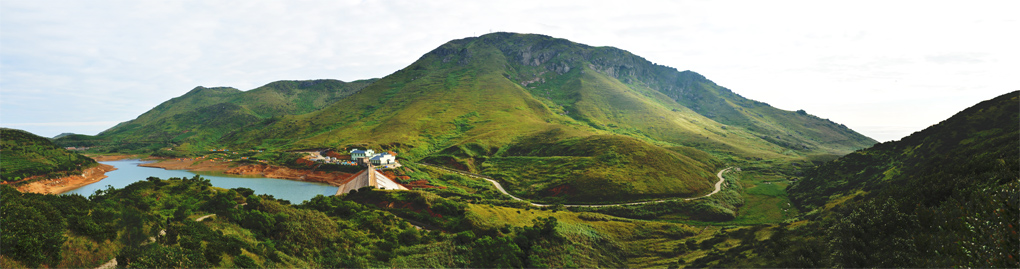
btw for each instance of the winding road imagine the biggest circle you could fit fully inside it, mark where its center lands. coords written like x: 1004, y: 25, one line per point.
x: 718, y: 186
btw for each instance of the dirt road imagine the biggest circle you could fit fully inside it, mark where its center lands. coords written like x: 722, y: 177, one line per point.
x: 718, y: 186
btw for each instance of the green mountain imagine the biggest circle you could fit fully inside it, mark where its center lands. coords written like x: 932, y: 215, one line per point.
x: 23, y: 154
x: 622, y: 127
x: 552, y: 119
x: 956, y: 183
x: 946, y: 196
x: 202, y: 116
x: 962, y: 149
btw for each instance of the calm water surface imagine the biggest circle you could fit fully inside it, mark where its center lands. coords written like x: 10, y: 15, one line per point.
x: 129, y: 172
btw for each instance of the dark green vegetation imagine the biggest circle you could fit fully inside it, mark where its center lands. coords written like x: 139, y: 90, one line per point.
x: 23, y: 155
x: 197, y: 121
x: 947, y: 196
x: 625, y: 129
x: 152, y: 224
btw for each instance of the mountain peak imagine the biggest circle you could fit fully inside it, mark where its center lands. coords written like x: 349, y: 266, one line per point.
x: 212, y: 91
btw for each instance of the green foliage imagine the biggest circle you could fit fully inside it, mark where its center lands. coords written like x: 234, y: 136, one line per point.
x: 32, y: 229
x: 934, y: 199
x: 26, y: 155
x: 699, y: 210
x: 597, y: 168
x: 200, y: 119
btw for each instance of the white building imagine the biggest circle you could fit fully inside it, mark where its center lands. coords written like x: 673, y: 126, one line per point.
x: 357, y: 154
x: 383, y: 159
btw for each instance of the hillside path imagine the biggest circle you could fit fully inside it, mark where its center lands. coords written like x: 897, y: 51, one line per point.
x: 718, y: 187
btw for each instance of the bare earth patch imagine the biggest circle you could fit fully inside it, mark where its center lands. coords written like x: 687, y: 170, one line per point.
x: 65, y: 184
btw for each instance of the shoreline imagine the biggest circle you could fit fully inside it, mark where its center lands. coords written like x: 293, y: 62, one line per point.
x: 110, y: 158
x: 95, y: 174
x: 263, y: 170
x: 69, y: 183
x: 190, y: 164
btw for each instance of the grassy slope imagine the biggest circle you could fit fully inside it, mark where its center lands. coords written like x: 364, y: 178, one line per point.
x: 25, y: 154
x: 982, y: 137
x: 937, y: 198
x: 635, y: 243
x: 202, y: 116
x: 461, y: 105
x: 465, y: 103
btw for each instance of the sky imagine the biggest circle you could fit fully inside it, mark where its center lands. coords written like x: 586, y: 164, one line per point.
x: 884, y: 68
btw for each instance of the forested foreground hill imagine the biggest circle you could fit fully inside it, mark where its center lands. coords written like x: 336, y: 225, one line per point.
x: 947, y: 196
x: 23, y: 155
x: 152, y: 223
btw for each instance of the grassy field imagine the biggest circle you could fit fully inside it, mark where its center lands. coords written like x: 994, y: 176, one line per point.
x: 764, y: 200
x: 641, y: 243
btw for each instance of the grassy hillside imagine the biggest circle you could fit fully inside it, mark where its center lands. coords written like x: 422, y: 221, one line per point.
x: 955, y: 182
x: 946, y: 196
x: 980, y: 139
x: 23, y: 154
x: 479, y: 103
x: 152, y: 223
x: 199, y: 118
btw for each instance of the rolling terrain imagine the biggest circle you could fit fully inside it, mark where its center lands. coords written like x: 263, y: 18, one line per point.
x: 553, y: 120
x: 26, y: 155
x: 560, y: 127
x: 946, y: 196
x: 201, y: 117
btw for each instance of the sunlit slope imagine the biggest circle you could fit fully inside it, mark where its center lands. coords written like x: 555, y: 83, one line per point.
x: 23, y: 155
x: 546, y: 65
x: 426, y: 107
x: 468, y: 102
x: 203, y: 115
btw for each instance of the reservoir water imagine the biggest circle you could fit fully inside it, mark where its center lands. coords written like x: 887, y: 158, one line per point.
x: 129, y: 172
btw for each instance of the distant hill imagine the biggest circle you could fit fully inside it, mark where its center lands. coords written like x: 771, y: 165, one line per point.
x: 23, y: 154
x: 63, y: 135
x: 202, y: 116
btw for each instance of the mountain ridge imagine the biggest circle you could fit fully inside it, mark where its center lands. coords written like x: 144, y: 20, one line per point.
x: 466, y: 102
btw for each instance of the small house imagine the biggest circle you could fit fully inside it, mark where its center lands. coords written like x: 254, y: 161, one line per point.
x: 382, y: 159
x: 358, y: 154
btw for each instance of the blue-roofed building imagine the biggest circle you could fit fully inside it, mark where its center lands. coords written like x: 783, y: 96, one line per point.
x: 357, y: 154
x: 383, y: 159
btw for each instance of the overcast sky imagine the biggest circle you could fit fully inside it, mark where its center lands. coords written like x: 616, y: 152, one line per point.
x: 883, y: 68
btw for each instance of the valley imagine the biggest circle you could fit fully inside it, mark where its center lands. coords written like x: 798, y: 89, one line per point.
x: 718, y: 186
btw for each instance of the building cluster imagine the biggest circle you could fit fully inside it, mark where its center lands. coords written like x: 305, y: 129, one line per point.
x: 384, y: 158
x: 359, y: 157
x: 331, y: 160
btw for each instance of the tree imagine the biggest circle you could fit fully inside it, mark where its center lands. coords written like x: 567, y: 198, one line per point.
x: 32, y: 230
x: 498, y: 252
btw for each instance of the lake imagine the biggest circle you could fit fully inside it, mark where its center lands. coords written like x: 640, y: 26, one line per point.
x: 129, y: 172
